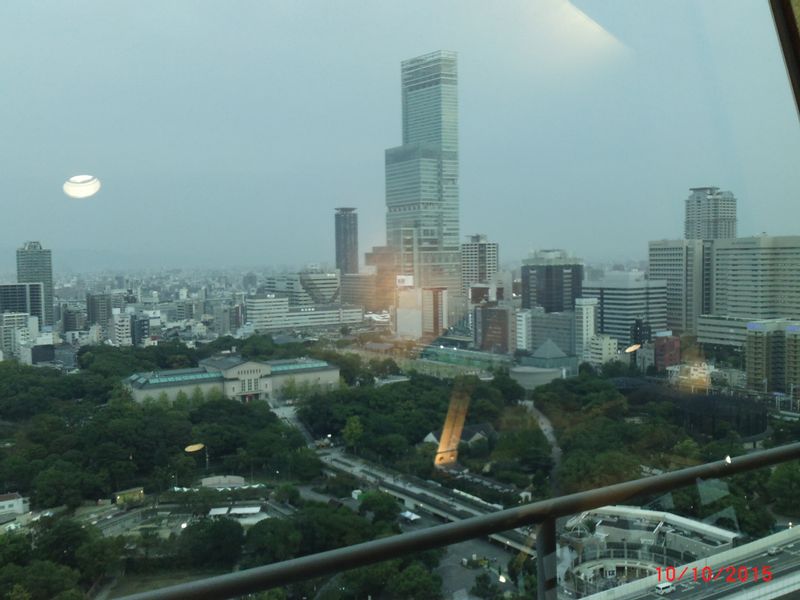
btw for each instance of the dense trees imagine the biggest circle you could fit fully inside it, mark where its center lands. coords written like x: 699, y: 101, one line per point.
x: 60, y: 558
x: 395, y: 418
x: 606, y: 440
x: 408, y: 578
x: 383, y: 507
x: 784, y: 486
x: 65, y: 458
x: 271, y: 540
x: 211, y: 543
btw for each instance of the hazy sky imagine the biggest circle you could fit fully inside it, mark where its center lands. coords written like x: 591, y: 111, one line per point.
x: 226, y: 132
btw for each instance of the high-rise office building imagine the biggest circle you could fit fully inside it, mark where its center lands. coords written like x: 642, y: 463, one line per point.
x: 98, y: 309
x: 346, y: 222
x: 756, y: 277
x: 360, y: 289
x: 557, y: 328
x: 383, y: 260
x: 495, y: 328
x: 73, y: 319
x: 585, y: 324
x: 23, y: 298
x: 35, y: 265
x: 710, y: 214
x: 551, y: 279
x: 623, y: 297
x: 421, y: 313
x: 681, y: 264
x: 772, y: 356
x: 422, y: 218
x: 307, y: 288
x: 752, y: 278
x: 479, y: 261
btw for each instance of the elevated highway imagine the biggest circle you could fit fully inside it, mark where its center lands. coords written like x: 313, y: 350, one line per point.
x: 730, y: 574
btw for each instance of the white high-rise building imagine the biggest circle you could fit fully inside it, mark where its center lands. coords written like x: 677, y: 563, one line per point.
x: 479, y: 261
x: 119, y: 328
x: 17, y: 330
x: 752, y: 278
x: 307, y: 288
x: 623, y: 297
x: 756, y: 277
x: 266, y: 312
x: 585, y: 324
x: 420, y: 312
x: 710, y: 214
x: 680, y: 264
x: 523, y: 330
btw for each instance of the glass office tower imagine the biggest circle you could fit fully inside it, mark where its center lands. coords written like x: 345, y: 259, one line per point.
x: 346, y: 223
x: 422, y: 220
x: 35, y: 265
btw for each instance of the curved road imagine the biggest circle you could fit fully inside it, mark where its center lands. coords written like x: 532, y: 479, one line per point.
x: 555, y: 450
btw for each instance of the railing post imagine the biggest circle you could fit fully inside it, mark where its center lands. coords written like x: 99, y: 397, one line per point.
x: 546, y: 560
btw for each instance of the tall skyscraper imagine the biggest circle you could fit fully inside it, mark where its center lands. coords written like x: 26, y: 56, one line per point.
x: 422, y: 218
x: 346, y: 222
x: 35, y: 265
x: 551, y: 279
x: 710, y: 214
x: 479, y: 261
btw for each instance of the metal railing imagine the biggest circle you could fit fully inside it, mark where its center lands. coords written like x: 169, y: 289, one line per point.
x: 543, y: 514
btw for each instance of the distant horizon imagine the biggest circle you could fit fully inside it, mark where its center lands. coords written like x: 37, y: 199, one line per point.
x: 581, y: 126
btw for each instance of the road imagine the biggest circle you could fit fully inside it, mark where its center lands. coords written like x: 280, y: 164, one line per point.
x: 457, y: 578
x: 433, y: 498
x: 288, y: 415
x: 725, y: 582
x: 555, y: 450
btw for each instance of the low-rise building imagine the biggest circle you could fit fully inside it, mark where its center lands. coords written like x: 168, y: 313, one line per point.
x: 233, y: 377
x: 601, y: 349
x: 13, y: 504
x: 664, y: 350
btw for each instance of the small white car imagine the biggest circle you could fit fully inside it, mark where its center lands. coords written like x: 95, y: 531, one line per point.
x: 664, y: 588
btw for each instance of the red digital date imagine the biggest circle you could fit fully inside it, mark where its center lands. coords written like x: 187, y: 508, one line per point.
x: 729, y: 573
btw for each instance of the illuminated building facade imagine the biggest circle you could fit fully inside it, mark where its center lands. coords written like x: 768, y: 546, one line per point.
x: 422, y: 204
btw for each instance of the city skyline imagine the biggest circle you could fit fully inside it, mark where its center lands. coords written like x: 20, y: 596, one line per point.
x: 549, y: 146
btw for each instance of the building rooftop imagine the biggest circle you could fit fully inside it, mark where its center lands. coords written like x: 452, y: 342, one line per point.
x: 223, y: 362
x: 549, y: 349
x: 169, y: 378
x: 211, y: 370
x: 297, y: 364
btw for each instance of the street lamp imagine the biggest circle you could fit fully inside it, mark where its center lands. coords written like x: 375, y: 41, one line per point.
x: 196, y: 448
